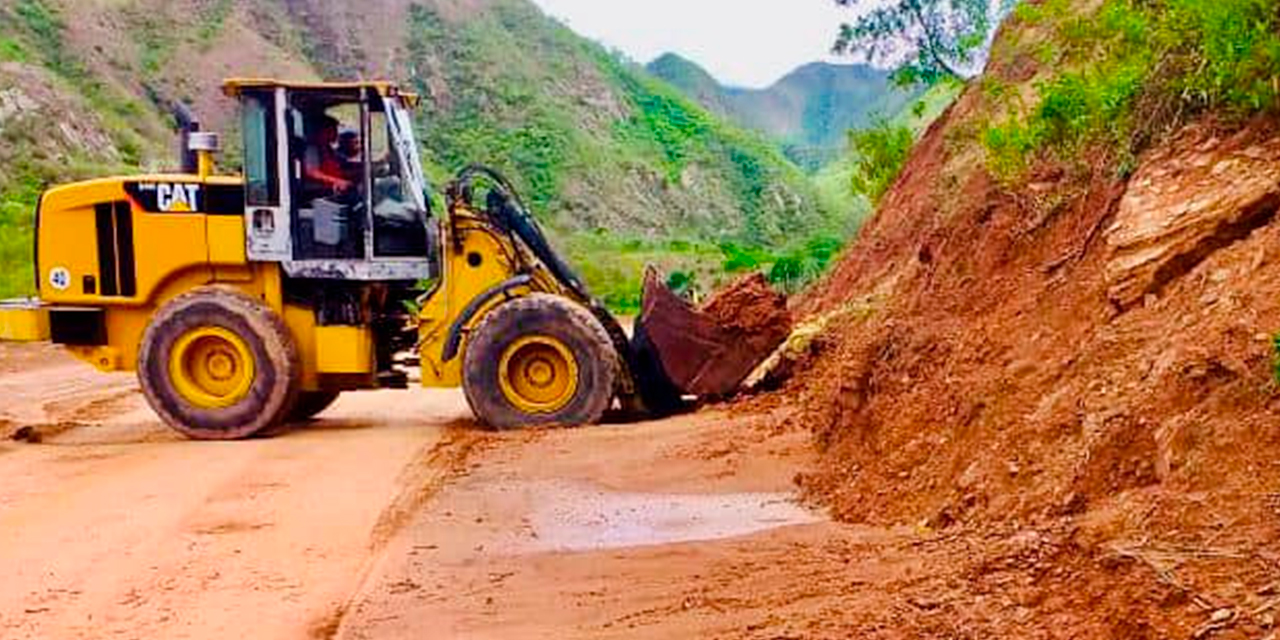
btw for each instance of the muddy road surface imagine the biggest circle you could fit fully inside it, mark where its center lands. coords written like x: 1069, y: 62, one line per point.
x: 392, y: 516
x: 112, y: 526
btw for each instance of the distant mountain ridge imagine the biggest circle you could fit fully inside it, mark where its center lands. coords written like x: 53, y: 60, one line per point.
x: 611, y: 159
x: 809, y: 110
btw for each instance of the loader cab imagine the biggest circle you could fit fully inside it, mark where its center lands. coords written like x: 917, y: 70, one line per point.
x: 334, y: 187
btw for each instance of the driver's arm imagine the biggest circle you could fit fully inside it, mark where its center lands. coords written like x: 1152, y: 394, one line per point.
x: 312, y: 169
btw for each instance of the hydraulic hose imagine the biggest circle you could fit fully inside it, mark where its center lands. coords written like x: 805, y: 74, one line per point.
x: 507, y: 211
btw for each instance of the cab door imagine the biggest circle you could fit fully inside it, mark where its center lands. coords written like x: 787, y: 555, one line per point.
x: 401, y: 214
x: 266, y: 161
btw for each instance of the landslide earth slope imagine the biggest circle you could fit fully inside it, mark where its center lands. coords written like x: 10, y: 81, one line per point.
x: 599, y: 147
x: 1078, y: 367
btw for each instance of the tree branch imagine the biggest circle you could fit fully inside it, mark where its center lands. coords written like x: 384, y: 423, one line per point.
x: 932, y: 41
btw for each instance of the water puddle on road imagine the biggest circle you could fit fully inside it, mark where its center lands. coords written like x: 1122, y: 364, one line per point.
x: 585, y: 518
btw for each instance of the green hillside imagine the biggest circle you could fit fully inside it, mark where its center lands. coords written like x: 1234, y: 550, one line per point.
x: 695, y: 82
x: 809, y: 110
x: 616, y: 163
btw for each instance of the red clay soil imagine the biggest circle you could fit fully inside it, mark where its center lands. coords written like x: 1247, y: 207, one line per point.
x: 995, y: 386
x: 753, y: 309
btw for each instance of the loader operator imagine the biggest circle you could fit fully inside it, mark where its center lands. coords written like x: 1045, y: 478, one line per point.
x: 329, y: 195
x: 322, y: 167
x: 350, y: 155
x: 351, y: 158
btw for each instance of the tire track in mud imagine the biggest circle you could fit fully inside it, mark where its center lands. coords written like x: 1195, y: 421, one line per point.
x: 67, y: 414
x: 97, y: 408
x: 49, y: 399
x: 419, y: 482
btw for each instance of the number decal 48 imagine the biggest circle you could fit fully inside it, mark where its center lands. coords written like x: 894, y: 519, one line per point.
x: 60, y: 278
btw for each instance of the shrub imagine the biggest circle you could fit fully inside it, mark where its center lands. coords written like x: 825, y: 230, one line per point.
x: 1134, y: 69
x: 794, y: 269
x: 682, y: 283
x: 880, y: 152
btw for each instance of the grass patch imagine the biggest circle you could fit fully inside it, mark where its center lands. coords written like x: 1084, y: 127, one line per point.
x: 12, y: 51
x: 1134, y: 70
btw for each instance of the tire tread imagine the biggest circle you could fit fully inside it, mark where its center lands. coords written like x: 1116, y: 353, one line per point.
x: 540, y: 306
x: 277, y: 341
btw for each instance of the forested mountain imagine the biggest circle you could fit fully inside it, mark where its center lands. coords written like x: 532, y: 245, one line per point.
x: 810, y: 109
x: 613, y: 160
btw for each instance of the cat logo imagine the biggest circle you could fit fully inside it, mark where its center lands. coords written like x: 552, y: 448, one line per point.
x: 177, y: 198
x: 167, y: 197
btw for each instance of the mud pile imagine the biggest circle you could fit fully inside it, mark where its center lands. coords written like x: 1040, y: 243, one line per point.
x: 1081, y: 353
x: 751, y: 308
x: 709, y: 350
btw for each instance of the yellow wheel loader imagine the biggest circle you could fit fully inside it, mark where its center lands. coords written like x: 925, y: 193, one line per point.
x: 249, y: 302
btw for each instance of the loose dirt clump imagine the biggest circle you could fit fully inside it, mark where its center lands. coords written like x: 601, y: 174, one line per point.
x: 752, y: 308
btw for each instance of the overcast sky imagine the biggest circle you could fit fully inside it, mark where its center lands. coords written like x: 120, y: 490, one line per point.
x: 748, y: 43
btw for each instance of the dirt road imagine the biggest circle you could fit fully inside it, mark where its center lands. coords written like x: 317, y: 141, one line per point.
x: 393, y: 516
x: 113, y: 527
x: 389, y: 516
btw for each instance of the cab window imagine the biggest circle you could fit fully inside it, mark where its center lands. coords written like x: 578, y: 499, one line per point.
x: 327, y: 163
x: 258, y: 125
x: 399, y: 215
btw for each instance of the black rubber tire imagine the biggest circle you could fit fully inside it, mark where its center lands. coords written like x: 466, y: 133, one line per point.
x: 553, y: 316
x: 308, y: 405
x: 311, y: 403
x: 274, y: 390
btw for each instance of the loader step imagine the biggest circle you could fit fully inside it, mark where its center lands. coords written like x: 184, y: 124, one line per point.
x: 23, y: 321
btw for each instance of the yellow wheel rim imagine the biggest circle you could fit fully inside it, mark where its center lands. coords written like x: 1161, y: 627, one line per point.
x: 211, y: 367
x: 538, y: 374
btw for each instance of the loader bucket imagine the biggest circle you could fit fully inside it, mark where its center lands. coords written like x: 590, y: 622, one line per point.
x: 708, y: 351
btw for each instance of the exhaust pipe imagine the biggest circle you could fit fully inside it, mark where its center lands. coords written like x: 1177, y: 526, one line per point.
x: 187, y: 124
